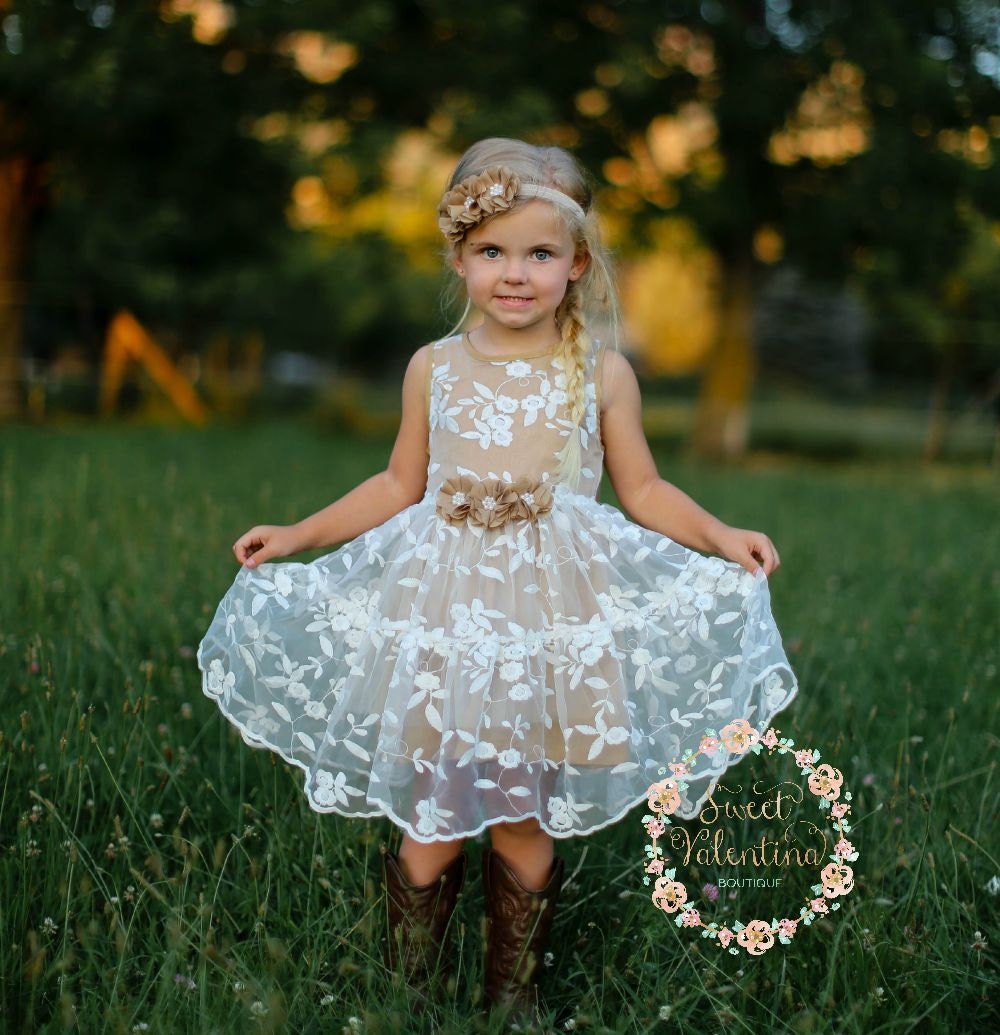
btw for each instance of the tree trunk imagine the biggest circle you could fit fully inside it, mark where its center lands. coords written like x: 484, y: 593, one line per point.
x: 940, y: 417
x: 18, y: 183
x: 721, y: 430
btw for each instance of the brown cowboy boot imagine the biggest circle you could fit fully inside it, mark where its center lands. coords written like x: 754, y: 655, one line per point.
x: 418, y: 919
x: 518, y: 923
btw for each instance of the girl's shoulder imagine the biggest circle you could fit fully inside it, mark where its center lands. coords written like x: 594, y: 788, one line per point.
x: 614, y: 374
x: 439, y: 344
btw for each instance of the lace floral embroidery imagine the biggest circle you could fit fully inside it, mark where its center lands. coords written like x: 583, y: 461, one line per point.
x: 491, y: 502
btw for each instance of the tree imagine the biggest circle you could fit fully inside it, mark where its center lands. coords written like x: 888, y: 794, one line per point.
x: 130, y: 171
x: 846, y: 137
x: 166, y: 138
x: 851, y: 137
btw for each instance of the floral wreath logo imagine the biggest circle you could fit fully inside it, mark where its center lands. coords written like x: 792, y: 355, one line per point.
x: 836, y: 879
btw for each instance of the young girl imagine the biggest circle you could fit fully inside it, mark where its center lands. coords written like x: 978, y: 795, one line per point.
x: 492, y: 648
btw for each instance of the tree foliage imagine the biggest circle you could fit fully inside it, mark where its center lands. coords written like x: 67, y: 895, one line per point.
x: 167, y: 139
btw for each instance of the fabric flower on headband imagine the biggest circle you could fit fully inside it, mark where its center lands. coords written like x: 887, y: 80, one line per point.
x: 471, y: 201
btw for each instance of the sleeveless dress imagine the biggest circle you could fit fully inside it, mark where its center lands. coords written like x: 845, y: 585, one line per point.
x: 504, y: 648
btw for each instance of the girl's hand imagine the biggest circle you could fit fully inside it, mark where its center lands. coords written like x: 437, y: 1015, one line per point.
x: 751, y: 549
x: 263, y: 542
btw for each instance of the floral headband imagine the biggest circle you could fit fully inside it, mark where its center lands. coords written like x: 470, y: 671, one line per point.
x: 495, y: 190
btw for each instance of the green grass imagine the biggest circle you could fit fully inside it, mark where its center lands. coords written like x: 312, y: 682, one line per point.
x: 189, y: 888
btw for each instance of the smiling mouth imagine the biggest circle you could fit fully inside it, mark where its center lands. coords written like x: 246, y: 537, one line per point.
x: 513, y: 298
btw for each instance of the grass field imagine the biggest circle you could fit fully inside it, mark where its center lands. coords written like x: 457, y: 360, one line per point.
x: 158, y: 875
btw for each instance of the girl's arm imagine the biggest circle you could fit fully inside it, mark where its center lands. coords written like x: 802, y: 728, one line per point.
x: 653, y: 502
x: 373, y: 502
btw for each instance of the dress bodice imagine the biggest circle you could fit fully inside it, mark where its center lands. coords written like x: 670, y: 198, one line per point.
x: 507, y: 418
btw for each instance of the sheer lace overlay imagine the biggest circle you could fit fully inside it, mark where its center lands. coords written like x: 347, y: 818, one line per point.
x: 451, y: 674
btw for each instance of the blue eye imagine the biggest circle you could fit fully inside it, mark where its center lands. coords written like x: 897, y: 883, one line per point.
x: 541, y: 253
x: 491, y: 252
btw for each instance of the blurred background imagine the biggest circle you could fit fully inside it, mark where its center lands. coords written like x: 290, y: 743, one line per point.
x: 225, y: 210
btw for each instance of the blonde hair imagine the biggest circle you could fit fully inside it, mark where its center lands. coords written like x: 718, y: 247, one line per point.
x: 591, y: 293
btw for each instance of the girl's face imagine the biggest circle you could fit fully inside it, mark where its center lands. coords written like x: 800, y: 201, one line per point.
x: 516, y: 269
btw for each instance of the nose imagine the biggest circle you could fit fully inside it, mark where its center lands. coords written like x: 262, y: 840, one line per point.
x: 515, y: 271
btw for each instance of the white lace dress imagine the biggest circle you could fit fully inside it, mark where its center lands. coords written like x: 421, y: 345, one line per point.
x: 503, y: 648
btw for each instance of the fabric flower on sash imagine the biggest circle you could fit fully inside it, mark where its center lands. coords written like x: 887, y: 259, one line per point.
x: 454, y: 498
x: 492, y: 502
x: 533, y: 498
